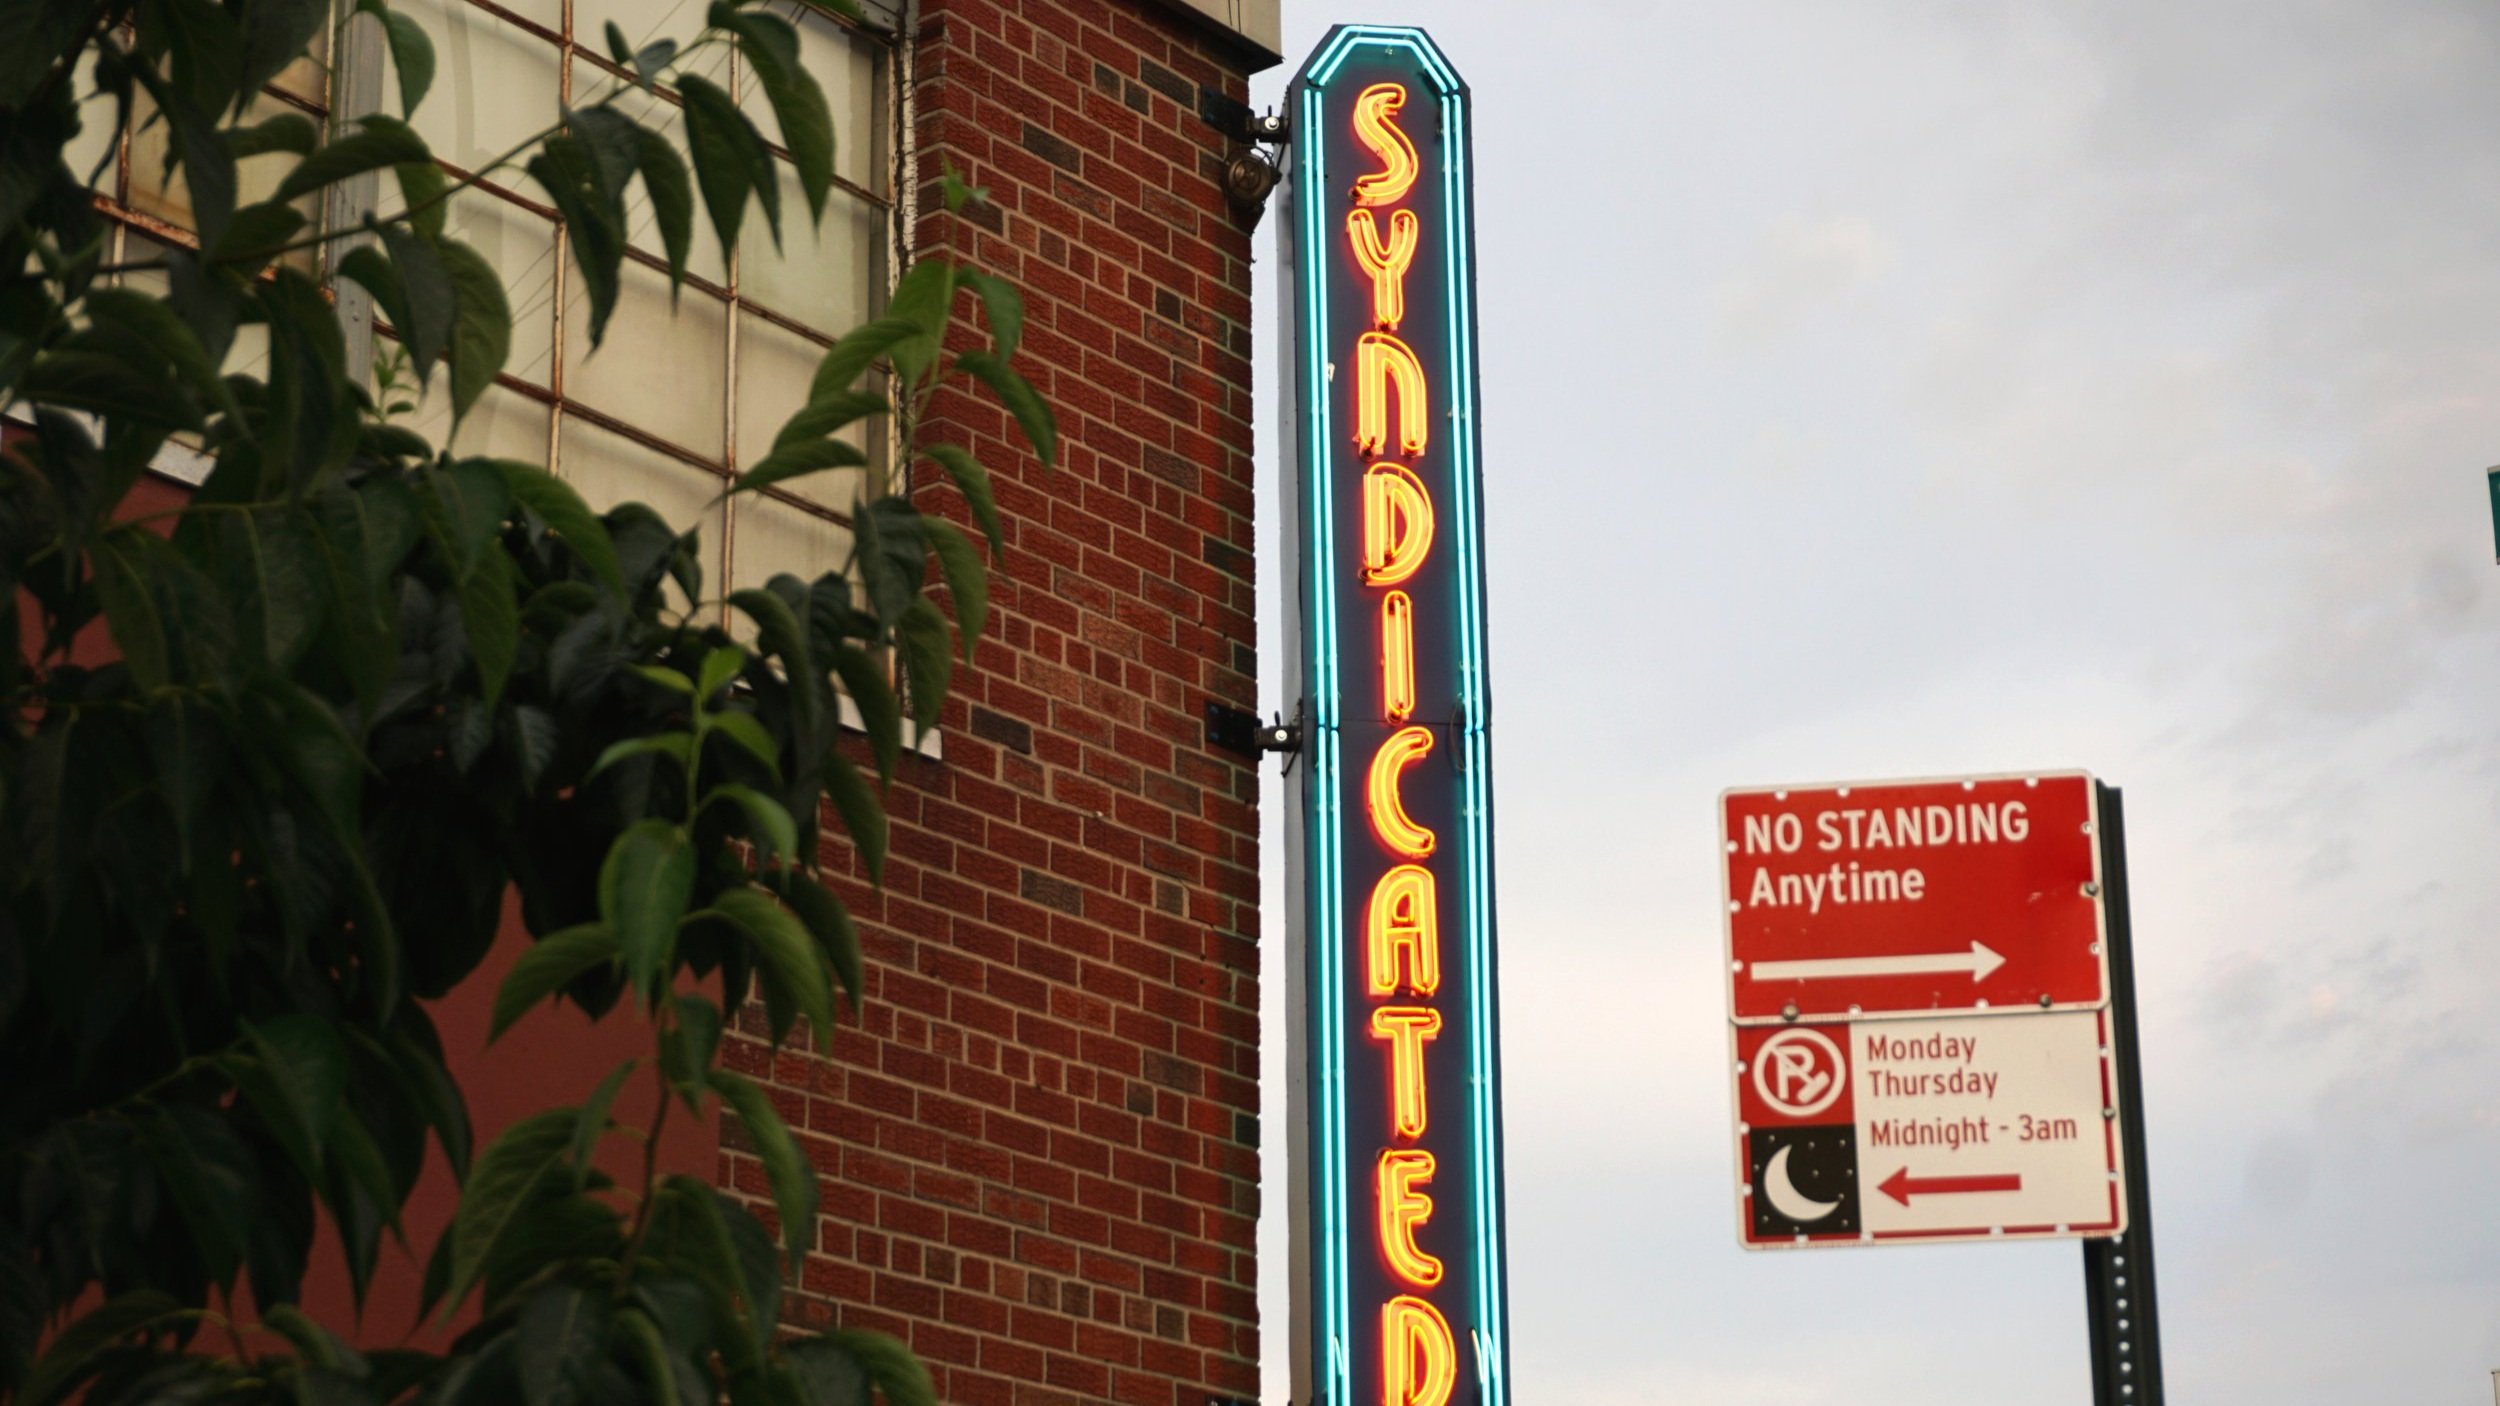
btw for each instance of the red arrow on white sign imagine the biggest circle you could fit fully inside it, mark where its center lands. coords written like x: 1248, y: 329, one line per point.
x: 1901, y: 1186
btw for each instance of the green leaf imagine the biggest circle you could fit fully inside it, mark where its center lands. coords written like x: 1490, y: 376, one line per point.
x: 125, y: 582
x: 955, y: 192
x: 411, y: 53
x: 807, y: 456
x: 687, y: 1048
x: 719, y: 667
x: 481, y: 334
x: 789, y: 954
x: 567, y: 167
x: 564, y: 512
x: 71, y: 1358
x: 643, y: 890
x: 828, y: 922
x: 835, y: 412
x: 1041, y: 430
x: 151, y: 320
x: 205, y: 42
x: 369, y: 267
x: 293, y: 1080
x: 973, y: 482
x: 920, y: 640
x: 669, y: 679
x: 286, y: 131
x: 421, y: 188
x: 465, y: 506
x: 429, y: 300
x: 318, y: 753
x: 671, y: 190
x: 744, y: 730
x: 560, y: 1333
x: 198, y: 148
x: 595, y: 1121
x: 254, y: 236
x: 777, y: 632
x: 385, y: 141
x: 550, y: 964
x: 105, y: 385
x: 1004, y: 305
x: 771, y: 48
x: 275, y: 34
x: 659, y: 1373
x: 879, y: 715
x: 493, y: 620
x: 863, y: 816
x: 280, y: 565
x: 965, y: 580
x: 768, y: 821
x: 314, y: 1343
x: 849, y: 359
x: 892, y: 552
x: 890, y: 1366
x: 678, y: 745
x: 793, y: 1180
x: 925, y: 298
x: 730, y: 160
x: 499, y: 1186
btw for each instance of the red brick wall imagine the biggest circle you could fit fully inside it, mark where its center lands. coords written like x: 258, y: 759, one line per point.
x: 1040, y: 1139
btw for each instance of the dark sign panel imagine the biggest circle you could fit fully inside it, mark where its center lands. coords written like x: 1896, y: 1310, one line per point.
x: 1397, y: 1198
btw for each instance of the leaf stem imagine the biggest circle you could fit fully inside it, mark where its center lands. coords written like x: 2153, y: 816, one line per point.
x: 650, y: 1155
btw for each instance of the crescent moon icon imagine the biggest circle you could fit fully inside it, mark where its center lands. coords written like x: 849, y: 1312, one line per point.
x: 1785, y: 1197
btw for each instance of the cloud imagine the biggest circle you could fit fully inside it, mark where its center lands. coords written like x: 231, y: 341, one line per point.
x: 1801, y: 269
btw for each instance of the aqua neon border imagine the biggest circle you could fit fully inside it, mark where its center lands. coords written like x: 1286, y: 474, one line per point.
x: 1476, y: 796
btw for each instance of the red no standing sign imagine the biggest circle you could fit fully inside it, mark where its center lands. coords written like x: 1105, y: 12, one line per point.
x: 1956, y: 897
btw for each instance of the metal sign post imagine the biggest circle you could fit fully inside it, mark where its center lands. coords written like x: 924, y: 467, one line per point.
x: 2119, y: 1298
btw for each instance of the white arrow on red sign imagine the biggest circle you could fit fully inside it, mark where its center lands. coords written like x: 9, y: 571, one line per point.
x: 1979, y: 961
x: 1901, y: 1186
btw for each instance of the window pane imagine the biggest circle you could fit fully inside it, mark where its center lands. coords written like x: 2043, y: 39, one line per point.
x: 494, y: 84
x: 610, y: 469
x: 642, y: 20
x: 775, y: 537
x: 845, y: 66
x: 308, y: 77
x: 663, y: 373
x: 255, y: 179
x: 822, y: 276
x: 95, y: 132
x: 775, y: 366
x: 504, y: 424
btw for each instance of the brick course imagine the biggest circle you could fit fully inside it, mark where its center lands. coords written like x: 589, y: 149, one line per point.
x: 1039, y: 1139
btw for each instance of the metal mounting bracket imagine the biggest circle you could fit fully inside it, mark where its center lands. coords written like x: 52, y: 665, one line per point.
x: 1239, y: 731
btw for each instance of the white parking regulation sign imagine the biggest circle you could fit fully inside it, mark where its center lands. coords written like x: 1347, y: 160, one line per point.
x: 1986, y: 1127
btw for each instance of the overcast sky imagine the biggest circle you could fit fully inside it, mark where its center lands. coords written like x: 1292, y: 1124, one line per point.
x: 1905, y: 389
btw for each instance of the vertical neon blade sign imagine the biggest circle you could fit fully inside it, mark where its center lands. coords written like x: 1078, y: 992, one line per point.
x: 1396, y: 1196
